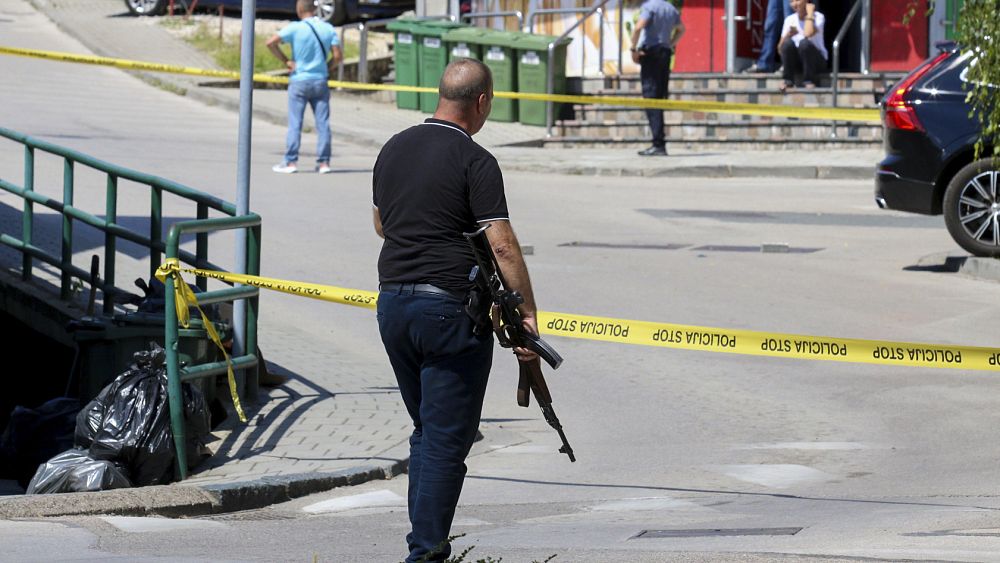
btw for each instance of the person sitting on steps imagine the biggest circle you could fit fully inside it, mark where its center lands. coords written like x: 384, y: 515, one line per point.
x: 802, y: 49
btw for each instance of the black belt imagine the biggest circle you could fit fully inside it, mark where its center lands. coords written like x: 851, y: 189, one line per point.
x: 419, y: 288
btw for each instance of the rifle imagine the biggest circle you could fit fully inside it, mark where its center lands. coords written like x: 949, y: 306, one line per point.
x: 506, y: 323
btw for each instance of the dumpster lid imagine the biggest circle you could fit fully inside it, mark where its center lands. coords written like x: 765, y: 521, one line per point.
x: 403, y: 24
x: 476, y: 35
x: 502, y: 38
x: 534, y: 42
x: 437, y: 28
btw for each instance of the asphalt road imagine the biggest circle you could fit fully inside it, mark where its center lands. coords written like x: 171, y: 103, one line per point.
x: 870, y: 462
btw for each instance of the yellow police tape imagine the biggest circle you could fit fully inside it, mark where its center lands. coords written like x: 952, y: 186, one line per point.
x: 676, y: 336
x: 184, y: 298
x: 823, y: 113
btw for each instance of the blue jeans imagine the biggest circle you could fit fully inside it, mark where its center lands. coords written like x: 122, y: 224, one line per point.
x: 654, y: 71
x: 316, y: 94
x: 441, y: 368
x: 777, y: 11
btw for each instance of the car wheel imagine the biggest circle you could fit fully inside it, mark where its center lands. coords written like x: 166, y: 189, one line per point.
x: 972, y: 208
x: 146, y: 7
x: 333, y: 11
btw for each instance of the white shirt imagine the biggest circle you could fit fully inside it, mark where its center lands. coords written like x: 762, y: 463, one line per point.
x: 819, y: 20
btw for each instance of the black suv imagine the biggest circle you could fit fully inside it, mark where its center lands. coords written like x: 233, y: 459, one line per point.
x: 929, y: 163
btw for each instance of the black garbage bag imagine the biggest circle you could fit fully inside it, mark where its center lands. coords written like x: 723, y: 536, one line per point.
x: 74, y: 471
x: 135, y: 428
x: 34, y: 435
x: 88, y: 420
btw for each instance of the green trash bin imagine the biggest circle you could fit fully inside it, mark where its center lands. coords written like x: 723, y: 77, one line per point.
x: 500, y: 56
x: 532, y: 69
x: 405, y: 56
x: 432, y: 55
x: 465, y: 43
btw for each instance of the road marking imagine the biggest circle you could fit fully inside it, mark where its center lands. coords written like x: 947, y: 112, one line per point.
x: 144, y: 524
x: 777, y: 476
x: 364, y: 500
x: 839, y: 446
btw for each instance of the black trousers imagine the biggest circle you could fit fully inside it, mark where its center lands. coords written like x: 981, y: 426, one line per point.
x: 805, y: 59
x: 654, y: 70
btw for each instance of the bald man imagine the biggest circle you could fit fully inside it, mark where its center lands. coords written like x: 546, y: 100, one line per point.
x: 432, y: 183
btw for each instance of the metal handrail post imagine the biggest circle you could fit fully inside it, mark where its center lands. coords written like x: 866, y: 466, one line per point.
x: 364, y: 40
x: 509, y: 13
x: 866, y: 38
x: 27, y: 223
x: 65, y: 280
x: 110, y: 243
x: 550, y: 76
x: 621, y: 36
x: 835, y: 72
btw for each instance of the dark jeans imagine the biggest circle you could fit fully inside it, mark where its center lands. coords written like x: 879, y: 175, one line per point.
x: 777, y: 11
x: 442, y: 369
x: 805, y: 59
x: 654, y: 70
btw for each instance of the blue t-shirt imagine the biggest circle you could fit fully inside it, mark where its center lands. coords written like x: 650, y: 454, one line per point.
x: 310, y: 59
x: 661, y: 19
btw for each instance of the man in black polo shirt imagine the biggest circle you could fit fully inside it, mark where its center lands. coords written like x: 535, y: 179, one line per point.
x: 432, y: 182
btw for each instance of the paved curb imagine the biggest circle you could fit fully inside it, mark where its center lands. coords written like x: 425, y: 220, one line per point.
x: 180, y: 500
x: 701, y: 171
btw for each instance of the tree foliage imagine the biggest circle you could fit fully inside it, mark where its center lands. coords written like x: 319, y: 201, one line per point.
x: 978, y: 32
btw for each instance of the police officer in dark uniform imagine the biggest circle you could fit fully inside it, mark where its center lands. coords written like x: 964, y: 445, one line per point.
x: 432, y: 182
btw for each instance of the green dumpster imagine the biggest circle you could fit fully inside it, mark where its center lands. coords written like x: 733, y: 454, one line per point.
x: 499, y: 55
x: 465, y: 43
x: 532, y: 68
x: 405, y: 54
x: 433, y: 57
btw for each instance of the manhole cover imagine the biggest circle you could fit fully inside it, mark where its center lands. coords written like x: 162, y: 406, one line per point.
x: 714, y: 532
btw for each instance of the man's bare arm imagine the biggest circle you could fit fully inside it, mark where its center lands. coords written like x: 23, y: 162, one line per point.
x: 273, y: 45
x: 377, y: 221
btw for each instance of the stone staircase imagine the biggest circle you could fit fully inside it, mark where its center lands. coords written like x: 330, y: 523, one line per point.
x: 590, y: 125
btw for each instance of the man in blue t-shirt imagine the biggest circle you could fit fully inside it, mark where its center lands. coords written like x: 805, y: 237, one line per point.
x: 661, y: 28
x: 311, y: 39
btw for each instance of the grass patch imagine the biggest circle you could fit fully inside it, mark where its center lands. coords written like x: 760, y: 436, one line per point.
x: 226, y: 52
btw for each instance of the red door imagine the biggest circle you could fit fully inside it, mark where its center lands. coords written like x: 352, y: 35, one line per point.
x: 703, y: 47
x: 897, y: 47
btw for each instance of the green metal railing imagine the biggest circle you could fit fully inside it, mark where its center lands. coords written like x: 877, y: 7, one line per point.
x: 153, y: 241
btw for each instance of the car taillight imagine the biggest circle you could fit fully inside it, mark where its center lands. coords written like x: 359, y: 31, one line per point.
x: 899, y: 112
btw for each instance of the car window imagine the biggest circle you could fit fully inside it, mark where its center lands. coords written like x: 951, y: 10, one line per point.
x: 950, y: 76
x: 964, y: 74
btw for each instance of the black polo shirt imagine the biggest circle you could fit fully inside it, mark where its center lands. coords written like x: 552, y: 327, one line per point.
x: 432, y: 183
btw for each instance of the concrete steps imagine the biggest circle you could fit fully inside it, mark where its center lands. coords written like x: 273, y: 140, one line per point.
x: 592, y: 125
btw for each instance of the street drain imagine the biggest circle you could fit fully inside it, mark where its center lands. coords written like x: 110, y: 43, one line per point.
x: 251, y: 516
x: 583, y: 244
x: 715, y: 532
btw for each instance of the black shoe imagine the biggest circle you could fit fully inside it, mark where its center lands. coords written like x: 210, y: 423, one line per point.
x: 653, y: 151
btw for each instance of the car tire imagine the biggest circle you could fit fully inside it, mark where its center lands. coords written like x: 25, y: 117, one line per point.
x: 146, y: 7
x: 972, y: 208
x: 332, y: 11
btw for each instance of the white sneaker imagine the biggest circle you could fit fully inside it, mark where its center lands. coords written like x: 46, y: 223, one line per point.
x: 285, y: 168
x: 323, y: 168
